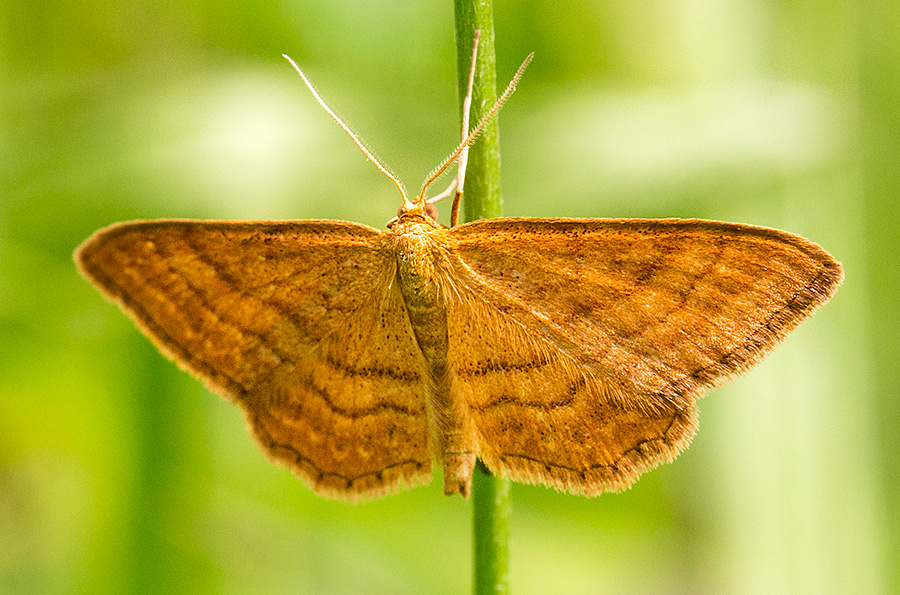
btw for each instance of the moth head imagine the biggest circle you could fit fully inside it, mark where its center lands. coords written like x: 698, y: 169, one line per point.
x: 415, y: 211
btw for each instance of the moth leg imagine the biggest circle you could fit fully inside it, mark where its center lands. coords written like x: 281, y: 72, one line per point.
x: 458, y: 182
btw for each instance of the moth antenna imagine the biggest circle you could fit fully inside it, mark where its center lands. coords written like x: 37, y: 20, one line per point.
x: 436, y: 172
x: 362, y: 147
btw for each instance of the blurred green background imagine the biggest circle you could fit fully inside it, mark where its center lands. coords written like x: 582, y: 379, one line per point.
x: 118, y: 473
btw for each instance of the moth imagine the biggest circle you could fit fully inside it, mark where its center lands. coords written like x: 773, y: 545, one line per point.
x: 566, y: 352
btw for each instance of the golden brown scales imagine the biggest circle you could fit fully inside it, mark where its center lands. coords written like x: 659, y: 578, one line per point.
x: 558, y: 351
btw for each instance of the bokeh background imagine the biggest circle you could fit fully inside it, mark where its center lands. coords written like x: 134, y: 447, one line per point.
x: 120, y: 474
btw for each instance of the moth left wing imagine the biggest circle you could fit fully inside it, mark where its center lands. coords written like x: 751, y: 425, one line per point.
x: 299, y: 323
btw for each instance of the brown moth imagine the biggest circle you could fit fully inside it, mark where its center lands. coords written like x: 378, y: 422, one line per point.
x: 567, y: 352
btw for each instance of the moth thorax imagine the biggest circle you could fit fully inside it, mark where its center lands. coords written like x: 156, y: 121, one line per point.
x: 425, y: 306
x: 415, y: 266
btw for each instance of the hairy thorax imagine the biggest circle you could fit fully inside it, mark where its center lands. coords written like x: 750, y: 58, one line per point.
x: 416, y: 246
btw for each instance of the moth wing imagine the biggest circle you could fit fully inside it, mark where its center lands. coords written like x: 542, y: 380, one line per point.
x: 299, y: 323
x: 580, y: 346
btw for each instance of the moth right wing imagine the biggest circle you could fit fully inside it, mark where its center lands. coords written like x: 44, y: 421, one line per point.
x: 581, y: 345
x: 297, y: 322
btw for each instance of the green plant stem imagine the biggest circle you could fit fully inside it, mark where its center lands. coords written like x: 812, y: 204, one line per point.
x: 490, y: 495
x: 482, y: 191
x: 490, y: 532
